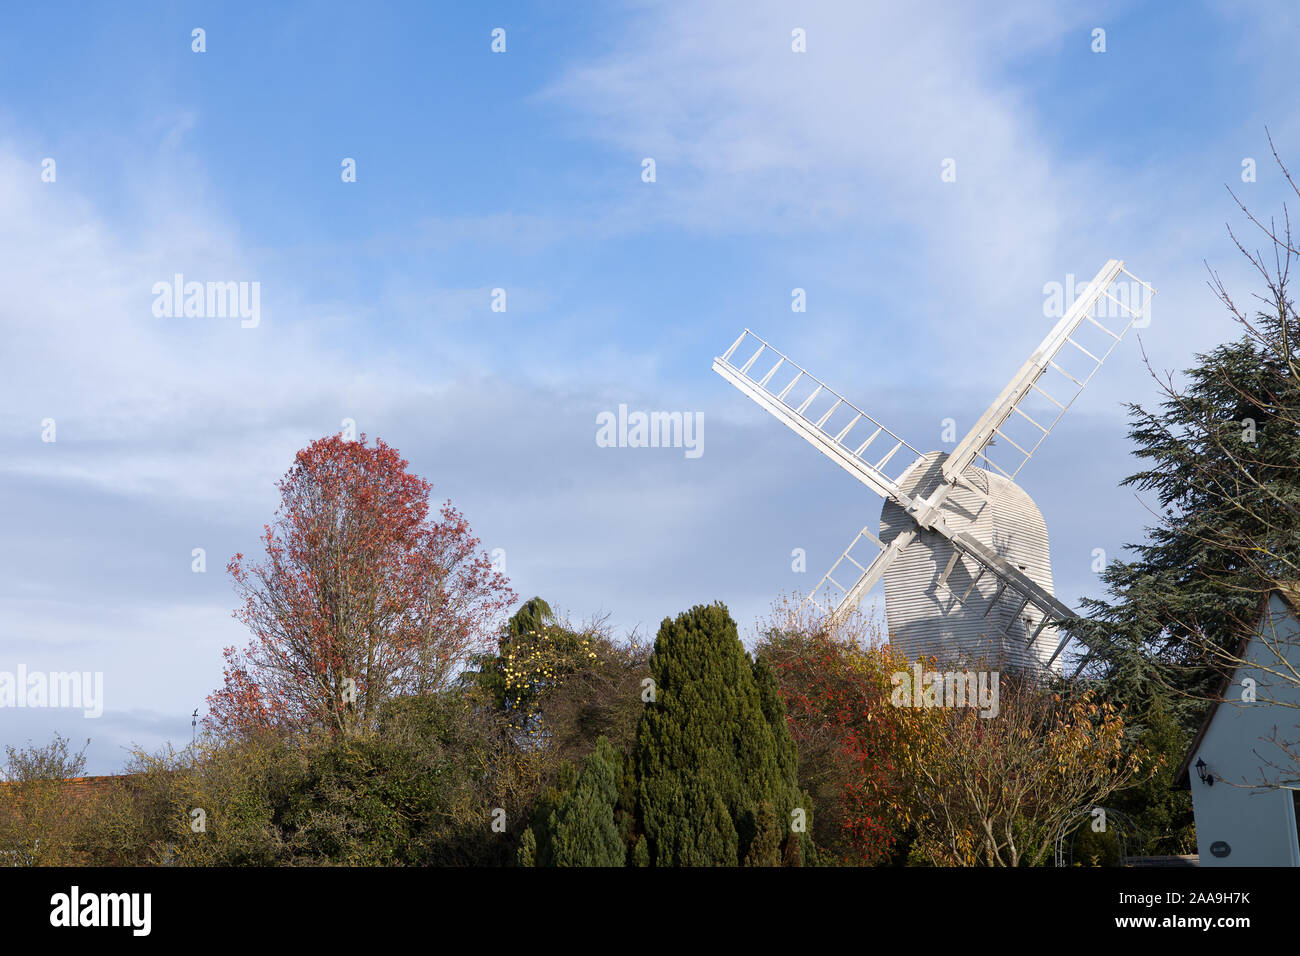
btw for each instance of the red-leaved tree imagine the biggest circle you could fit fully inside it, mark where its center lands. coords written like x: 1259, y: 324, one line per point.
x: 835, y: 682
x: 361, y: 596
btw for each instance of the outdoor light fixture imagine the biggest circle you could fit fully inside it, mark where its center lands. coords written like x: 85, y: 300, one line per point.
x: 1206, y: 778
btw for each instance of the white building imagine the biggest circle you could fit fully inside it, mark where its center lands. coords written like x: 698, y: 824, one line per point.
x: 1237, y: 768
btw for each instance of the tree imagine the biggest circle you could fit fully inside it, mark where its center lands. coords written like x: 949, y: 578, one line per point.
x: 1160, y: 809
x: 553, y: 690
x: 834, y: 679
x: 1220, y: 456
x: 563, y: 686
x: 583, y: 831
x: 421, y: 788
x: 361, y: 597
x: 412, y: 793
x: 765, y: 848
x: 712, y: 747
x: 996, y: 791
x: 1229, y: 528
x: 41, y: 817
x: 932, y: 779
x: 526, y: 855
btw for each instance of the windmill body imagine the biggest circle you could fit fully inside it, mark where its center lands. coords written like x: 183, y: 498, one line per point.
x: 931, y: 620
x: 962, y: 549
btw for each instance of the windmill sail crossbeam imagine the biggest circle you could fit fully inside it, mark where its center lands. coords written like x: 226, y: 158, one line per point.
x: 828, y: 421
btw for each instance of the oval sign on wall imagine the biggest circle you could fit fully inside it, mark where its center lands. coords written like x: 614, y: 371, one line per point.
x: 1220, y: 849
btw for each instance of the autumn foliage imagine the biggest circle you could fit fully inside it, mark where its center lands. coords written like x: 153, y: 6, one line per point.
x: 998, y: 791
x: 835, y: 684
x: 361, y: 596
x: 941, y: 785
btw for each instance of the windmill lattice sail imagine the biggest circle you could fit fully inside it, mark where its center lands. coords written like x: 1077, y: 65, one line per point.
x: 1071, y: 379
x: 834, y: 426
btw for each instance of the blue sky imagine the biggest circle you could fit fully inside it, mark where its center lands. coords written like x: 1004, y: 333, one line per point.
x: 522, y: 171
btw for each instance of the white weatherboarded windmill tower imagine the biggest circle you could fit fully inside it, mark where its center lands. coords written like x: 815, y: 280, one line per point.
x: 962, y: 549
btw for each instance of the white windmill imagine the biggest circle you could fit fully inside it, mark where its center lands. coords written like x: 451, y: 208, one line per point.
x: 963, y: 550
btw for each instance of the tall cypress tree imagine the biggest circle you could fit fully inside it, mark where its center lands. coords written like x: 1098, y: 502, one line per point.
x: 712, y: 748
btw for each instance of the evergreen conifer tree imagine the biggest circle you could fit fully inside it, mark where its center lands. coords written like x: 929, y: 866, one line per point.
x: 712, y: 748
x: 583, y: 827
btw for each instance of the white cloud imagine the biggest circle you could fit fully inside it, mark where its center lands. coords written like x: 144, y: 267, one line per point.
x: 839, y: 150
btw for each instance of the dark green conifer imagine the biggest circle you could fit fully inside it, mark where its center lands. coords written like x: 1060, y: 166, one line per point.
x: 583, y: 827
x: 712, y: 749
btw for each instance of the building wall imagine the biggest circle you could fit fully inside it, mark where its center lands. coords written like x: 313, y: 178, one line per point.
x: 1257, y: 824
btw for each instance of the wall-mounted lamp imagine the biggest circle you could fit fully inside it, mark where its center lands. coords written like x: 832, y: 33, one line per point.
x: 1206, y: 778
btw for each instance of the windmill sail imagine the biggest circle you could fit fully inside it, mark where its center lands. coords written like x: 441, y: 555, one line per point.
x: 848, y: 436
x: 849, y: 579
x: 1017, y: 449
